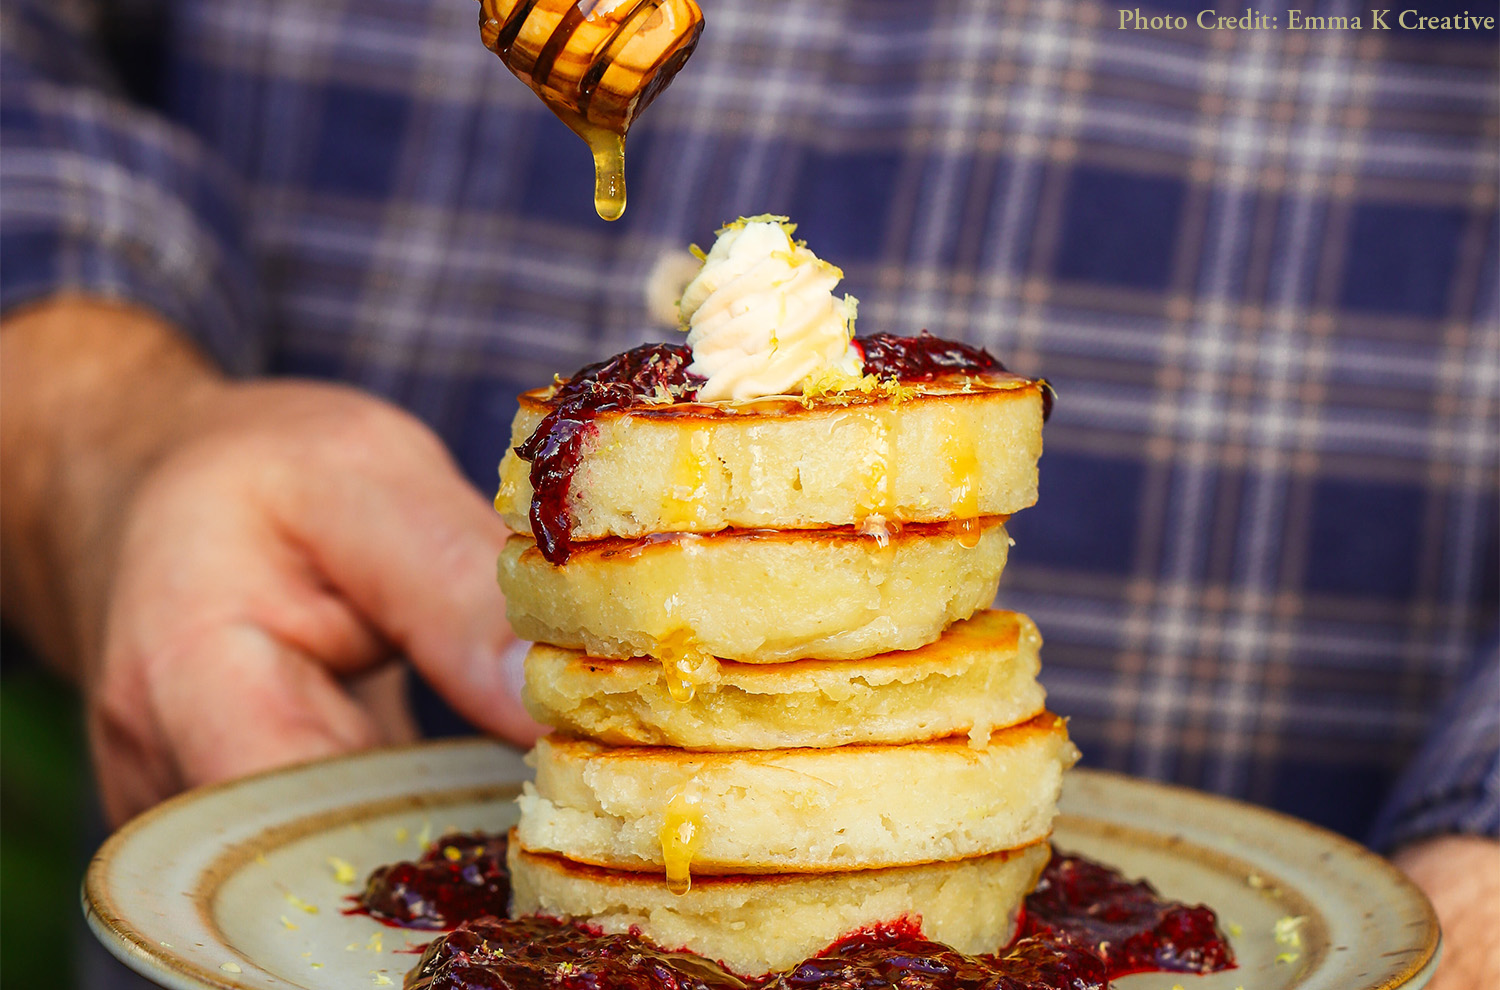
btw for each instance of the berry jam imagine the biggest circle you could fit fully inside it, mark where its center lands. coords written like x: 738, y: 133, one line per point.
x: 655, y: 374
x: 922, y: 358
x: 537, y: 953
x: 1084, y: 925
x: 1127, y: 923
x: 901, y: 957
x: 625, y: 381
x: 925, y: 358
x: 462, y: 876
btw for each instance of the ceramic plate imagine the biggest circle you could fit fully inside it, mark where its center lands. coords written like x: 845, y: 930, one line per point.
x: 243, y: 885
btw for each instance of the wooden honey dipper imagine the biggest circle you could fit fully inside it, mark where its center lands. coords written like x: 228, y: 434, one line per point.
x: 596, y: 64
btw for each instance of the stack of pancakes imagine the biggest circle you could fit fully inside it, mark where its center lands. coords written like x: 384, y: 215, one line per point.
x: 784, y: 710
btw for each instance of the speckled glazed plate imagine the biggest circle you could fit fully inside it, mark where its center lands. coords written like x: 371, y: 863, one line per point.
x: 243, y: 885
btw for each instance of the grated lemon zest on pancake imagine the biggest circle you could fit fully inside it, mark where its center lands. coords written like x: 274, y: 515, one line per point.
x: 834, y: 386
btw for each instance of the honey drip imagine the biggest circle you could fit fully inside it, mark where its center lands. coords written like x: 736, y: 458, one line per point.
x: 685, y: 666
x: 680, y: 509
x: 681, y: 838
x: 609, y: 173
x: 877, y: 510
x: 960, y: 452
x: 596, y: 64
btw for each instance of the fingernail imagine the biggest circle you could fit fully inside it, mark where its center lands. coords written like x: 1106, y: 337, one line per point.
x: 499, y: 672
x: 512, y: 667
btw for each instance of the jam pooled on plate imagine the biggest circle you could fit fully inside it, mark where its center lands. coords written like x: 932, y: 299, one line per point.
x: 461, y: 876
x: 899, y: 956
x: 537, y: 953
x: 1131, y: 927
x: 1084, y: 925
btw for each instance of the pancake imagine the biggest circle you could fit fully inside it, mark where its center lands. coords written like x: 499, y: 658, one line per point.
x: 794, y: 810
x: 756, y: 596
x: 956, y: 449
x: 981, y: 675
x: 755, y: 925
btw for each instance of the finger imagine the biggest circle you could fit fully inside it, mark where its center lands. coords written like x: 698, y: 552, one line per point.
x: 131, y: 761
x: 240, y: 701
x: 415, y: 550
x: 240, y: 568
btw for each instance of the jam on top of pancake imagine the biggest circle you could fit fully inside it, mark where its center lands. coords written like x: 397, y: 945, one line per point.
x: 922, y: 358
x: 652, y: 374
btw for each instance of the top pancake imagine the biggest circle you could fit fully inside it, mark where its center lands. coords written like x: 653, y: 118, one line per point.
x: 959, y: 448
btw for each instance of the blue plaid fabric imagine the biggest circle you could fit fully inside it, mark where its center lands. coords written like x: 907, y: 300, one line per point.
x: 1259, y: 266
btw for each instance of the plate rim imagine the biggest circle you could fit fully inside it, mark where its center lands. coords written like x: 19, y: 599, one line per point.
x: 1425, y: 958
x: 110, y: 925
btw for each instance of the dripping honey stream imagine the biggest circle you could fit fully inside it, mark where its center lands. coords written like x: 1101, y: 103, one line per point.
x: 596, y: 64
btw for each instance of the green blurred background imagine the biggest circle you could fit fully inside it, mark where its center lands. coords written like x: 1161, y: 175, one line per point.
x: 43, y: 781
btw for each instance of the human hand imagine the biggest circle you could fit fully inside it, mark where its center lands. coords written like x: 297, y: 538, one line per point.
x: 257, y: 552
x: 1460, y: 874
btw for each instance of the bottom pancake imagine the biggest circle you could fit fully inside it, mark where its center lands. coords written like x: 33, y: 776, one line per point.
x: 756, y: 925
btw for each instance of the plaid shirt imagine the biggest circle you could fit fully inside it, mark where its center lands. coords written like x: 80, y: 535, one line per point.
x: 1259, y: 266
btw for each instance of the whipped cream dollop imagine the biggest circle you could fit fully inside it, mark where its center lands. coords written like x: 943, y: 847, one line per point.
x: 761, y: 315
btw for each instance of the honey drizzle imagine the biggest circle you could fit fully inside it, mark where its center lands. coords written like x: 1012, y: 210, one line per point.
x: 684, y: 496
x: 685, y: 666
x: 961, y: 455
x: 606, y: 146
x: 877, y: 510
x: 681, y: 837
x: 570, y: 102
x: 608, y: 149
